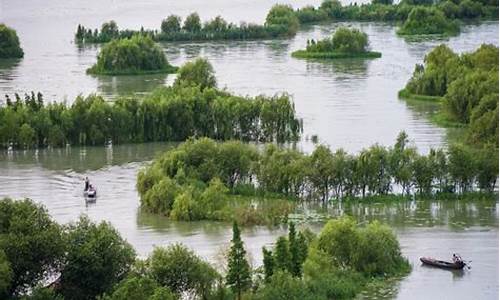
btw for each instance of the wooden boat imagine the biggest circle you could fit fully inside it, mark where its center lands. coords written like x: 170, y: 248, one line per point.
x: 90, y: 195
x: 443, y: 264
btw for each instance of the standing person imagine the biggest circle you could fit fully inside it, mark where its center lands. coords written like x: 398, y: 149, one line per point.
x: 87, y: 183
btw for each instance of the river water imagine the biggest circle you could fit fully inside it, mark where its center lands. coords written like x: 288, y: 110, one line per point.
x: 349, y: 104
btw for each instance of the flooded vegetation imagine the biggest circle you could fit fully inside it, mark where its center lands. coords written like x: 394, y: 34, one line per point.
x: 209, y: 189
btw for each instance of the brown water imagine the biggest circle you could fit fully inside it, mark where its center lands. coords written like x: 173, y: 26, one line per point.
x: 350, y: 104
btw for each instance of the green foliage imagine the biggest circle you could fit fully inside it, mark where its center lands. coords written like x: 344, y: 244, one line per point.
x: 239, y: 273
x: 345, y: 43
x: 171, y: 24
x: 424, y: 20
x: 268, y: 262
x: 192, y: 23
x: 136, y: 55
x: 283, y: 286
x: 197, y: 73
x: 168, y: 114
x: 42, y: 293
x: 281, y: 15
x: 139, y: 288
x: 181, y: 270
x: 9, y: 43
x: 96, y: 253
x: 25, y: 226
x: 469, y: 85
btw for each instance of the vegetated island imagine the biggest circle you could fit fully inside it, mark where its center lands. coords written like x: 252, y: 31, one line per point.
x: 428, y: 21
x: 386, y: 10
x: 88, y: 260
x: 345, y: 43
x: 131, y: 56
x: 466, y: 86
x: 9, y: 43
x: 283, y: 21
x: 233, y: 181
x: 280, y: 22
x: 193, y: 106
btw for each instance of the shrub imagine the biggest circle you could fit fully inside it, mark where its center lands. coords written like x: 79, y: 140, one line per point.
x: 9, y: 43
x: 426, y: 20
x: 137, y: 55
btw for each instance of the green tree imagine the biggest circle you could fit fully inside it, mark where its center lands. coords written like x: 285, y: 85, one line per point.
x: 139, y: 288
x: 25, y: 226
x: 283, y: 16
x: 181, y: 270
x: 192, y: 23
x: 9, y: 43
x: 97, y: 253
x: 171, y: 24
x: 282, y: 257
x: 340, y: 239
x: 26, y: 135
x: 5, y: 275
x: 239, y: 273
x: 296, y: 257
x: 268, y: 261
x: 198, y: 72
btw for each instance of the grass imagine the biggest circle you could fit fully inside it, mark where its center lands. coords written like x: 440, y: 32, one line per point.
x: 335, y: 55
x: 95, y: 71
x: 405, y: 94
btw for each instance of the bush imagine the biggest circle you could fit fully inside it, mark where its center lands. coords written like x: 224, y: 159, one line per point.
x: 283, y: 16
x: 426, y: 20
x: 96, y: 253
x: 197, y: 73
x: 137, y: 55
x: 9, y: 43
x: 171, y: 24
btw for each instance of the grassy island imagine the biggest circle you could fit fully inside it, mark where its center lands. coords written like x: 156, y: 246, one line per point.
x: 193, y: 106
x: 428, y: 21
x: 466, y: 86
x: 345, y: 43
x: 233, y: 181
x: 133, y: 56
x: 9, y: 43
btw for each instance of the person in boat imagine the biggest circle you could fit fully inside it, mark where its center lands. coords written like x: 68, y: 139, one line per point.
x: 87, y: 184
x: 456, y: 259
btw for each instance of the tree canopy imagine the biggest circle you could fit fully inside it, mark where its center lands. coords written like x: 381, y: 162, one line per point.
x: 9, y: 43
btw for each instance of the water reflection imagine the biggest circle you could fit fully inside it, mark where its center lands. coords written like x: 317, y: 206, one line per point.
x: 130, y: 85
x: 83, y: 159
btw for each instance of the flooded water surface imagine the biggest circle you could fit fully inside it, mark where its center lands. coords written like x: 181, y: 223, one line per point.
x: 349, y: 103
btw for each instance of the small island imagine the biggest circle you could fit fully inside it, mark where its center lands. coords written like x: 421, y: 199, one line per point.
x: 428, y: 21
x: 345, y: 43
x: 9, y: 43
x: 131, y: 56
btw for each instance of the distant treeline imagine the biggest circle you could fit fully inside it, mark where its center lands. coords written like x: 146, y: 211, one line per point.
x: 283, y: 20
x: 467, y: 87
x: 193, y: 106
x: 197, y: 179
x: 280, y: 22
x: 385, y: 10
x: 9, y: 43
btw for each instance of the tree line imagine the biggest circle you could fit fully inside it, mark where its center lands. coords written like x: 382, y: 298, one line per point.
x: 130, y: 56
x: 9, y: 43
x: 41, y: 259
x: 344, y: 42
x: 467, y: 87
x: 386, y: 10
x: 200, y: 177
x: 280, y: 22
x: 193, y: 106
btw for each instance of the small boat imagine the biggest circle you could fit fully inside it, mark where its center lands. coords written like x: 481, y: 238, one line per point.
x: 90, y: 195
x: 443, y: 264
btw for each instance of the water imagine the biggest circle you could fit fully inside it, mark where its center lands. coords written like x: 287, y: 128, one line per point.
x: 350, y: 104
x: 55, y: 178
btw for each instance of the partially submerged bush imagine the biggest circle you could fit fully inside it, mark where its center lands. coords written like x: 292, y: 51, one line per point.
x: 428, y: 20
x: 9, y: 43
x: 137, y: 55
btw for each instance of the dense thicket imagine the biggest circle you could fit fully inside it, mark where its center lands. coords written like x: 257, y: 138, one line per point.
x: 468, y: 85
x: 9, y: 43
x: 200, y: 178
x: 387, y: 11
x: 130, y: 56
x: 344, y: 43
x: 85, y: 260
x: 428, y: 20
x: 280, y: 22
x: 193, y: 106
